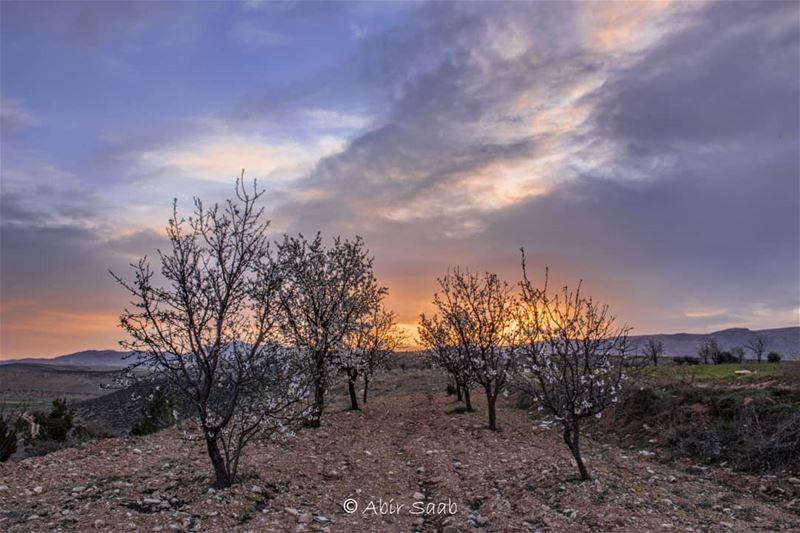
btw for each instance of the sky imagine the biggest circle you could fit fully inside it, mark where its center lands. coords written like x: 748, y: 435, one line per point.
x: 650, y: 149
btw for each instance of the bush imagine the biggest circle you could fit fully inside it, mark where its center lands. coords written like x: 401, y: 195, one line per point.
x: 156, y: 414
x: 640, y: 404
x: 759, y: 434
x: 720, y: 358
x: 773, y: 357
x: 8, y: 436
x: 54, y: 426
x: 687, y: 360
x: 451, y: 389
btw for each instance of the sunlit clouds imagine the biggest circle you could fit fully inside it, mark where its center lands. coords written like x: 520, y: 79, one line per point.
x: 648, y: 148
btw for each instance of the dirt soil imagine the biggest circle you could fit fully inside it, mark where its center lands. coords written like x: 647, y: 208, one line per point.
x: 399, y: 449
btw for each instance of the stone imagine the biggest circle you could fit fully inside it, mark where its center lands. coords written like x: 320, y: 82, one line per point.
x: 481, y: 520
x: 256, y: 489
x: 305, y: 518
x: 292, y: 511
x: 38, y: 489
x: 419, y: 496
x: 99, y: 523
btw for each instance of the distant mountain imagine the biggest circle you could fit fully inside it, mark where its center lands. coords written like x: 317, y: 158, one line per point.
x: 785, y: 341
x: 88, y: 358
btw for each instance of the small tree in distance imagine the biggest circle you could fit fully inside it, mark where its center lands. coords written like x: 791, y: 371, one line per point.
x: 709, y: 350
x: 446, y: 351
x: 653, y: 350
x: 572, y: 357
x: 367, y: 347
x: 758, y: 345
x: 480, y: 310
x: 738, y: 353
x: 208, y: 333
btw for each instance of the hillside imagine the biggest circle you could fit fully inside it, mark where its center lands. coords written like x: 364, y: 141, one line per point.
x: 785, y: 341
x: 86, y: 358
x: 36, y: 385
x: 400, y: 448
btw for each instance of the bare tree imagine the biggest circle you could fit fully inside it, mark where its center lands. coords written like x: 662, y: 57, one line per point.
x: 738, y: 353
x: 572, y: 357
x: 446, y: 351
x: 653, y: 350
x: 207, y: 331
x: 324, y: 296
x: 481, y: 309
x: 709, y: 350
x: 758, y: 345
x: 367, y: 347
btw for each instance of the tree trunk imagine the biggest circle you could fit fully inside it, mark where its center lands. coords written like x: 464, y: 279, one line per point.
x: 491, y: 401
x: 315, y: 419
x: 572, y: 439
x: 459, y: 396
x: 467, y: 400
x: 223, y: 479
x: 366, y: 386
x: 351, y: 387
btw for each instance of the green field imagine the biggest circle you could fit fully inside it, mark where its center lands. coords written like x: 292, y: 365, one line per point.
x: 725, y: 372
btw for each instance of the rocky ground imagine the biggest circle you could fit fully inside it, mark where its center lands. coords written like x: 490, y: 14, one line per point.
x: 399, y: 450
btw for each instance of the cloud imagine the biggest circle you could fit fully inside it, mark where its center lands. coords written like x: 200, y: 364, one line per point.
x: 253, y: 33
x: 649, y: 148
x: 14, y: 116
x: 655, y: 155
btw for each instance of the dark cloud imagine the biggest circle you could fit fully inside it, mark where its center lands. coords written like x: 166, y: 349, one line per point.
x: 697, y: 199
x: 733, y: 74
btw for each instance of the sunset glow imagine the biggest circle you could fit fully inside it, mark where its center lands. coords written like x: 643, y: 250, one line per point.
x: 651, y: 149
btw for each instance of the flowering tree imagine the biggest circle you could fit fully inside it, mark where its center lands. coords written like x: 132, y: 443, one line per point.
x: 572, y: 356
x: 367, y: 347
x: 444, y: 348
x: 480, y: 310
x: 208, y: 330
x: 325, y: 295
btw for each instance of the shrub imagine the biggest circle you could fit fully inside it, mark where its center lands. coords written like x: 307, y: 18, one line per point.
x: 773, y: 357
x: 54, y: 426
x: 686, y: 360
x: 451, y: 389
x: 8, y: 436
x: 758, y: 435
x: 720, y: 358
x: 640, y: 404
x: 156, y: 414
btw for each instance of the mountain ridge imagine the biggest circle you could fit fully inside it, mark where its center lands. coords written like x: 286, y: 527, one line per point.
x: 785, y: 341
